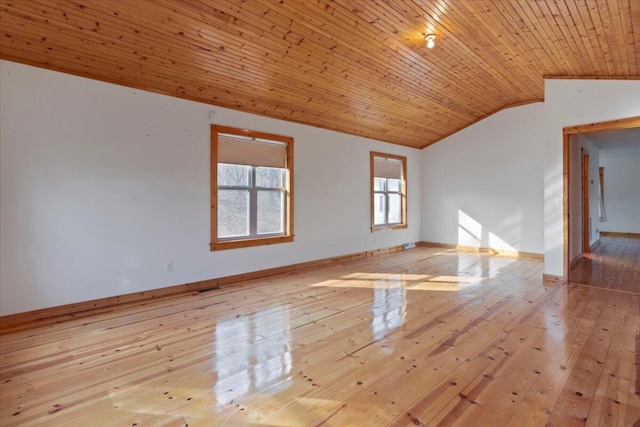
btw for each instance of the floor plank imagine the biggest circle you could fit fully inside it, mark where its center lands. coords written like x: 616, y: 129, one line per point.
x: 613, y: 264
x: 427, y: 336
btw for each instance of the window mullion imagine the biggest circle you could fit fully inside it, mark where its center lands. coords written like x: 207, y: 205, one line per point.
x: 386, y: 194
x: 388, y: 200
x: 253, y: 205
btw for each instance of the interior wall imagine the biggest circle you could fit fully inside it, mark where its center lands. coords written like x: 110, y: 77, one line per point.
x: 102, y: 186
x: 577, y: 143
x: 482, y: 186
x: 574, y: 102
x: 621, y: 193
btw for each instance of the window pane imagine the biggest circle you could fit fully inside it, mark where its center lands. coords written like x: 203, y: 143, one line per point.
x: 233, y: 175
x: 270, y: 211
x: 379, y: 209
x: 395, y: 209
x: 379, y: 184
x: 270, y: 177
x: 233, y: 213
x: 394, y: 184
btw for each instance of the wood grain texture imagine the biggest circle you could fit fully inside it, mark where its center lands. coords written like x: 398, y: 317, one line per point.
x: 614, y: 264
x: 359, y: 67
x: 63, y: 313
x: 500, y: 252
x: 429, y: 336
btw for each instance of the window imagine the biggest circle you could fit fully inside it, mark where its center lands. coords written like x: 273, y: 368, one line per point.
x: 388, y: 191
x: 251, y: 188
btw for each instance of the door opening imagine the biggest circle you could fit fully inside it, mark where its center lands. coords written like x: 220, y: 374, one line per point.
x: 626, y: 123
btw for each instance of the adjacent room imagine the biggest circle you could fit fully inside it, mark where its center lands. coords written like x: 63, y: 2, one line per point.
x: 605, y: 222
x: 319, y: 213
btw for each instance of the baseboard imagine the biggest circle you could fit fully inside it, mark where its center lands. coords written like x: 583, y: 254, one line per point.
x: 595, y: 245
x: 513, y: 254
x: 62, y: 313
x: 552, y: 279
x: 618, y: 234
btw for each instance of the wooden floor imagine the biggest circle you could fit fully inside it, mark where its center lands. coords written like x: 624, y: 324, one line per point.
x: 613, y: 264
x: 423, y: 337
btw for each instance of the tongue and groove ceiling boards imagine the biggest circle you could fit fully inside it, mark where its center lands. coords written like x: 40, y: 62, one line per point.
x: 355, y: 66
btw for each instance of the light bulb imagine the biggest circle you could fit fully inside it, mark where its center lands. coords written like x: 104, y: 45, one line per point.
x: 431, y: 40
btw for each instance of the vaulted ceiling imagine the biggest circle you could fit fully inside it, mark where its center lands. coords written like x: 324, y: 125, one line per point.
x: 354, y: 66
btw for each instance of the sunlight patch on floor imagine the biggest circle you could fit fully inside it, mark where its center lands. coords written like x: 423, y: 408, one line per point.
x: 422, y: 282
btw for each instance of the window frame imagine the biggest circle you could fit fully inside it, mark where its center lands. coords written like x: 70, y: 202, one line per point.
x: 218, y: 243
x: 403, y: 193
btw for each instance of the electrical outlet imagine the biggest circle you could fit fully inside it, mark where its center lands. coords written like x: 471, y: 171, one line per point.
x: 170, y: 267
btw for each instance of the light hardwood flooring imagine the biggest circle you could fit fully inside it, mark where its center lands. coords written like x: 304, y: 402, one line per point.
x: 423, y: 337
x: 613, y: 264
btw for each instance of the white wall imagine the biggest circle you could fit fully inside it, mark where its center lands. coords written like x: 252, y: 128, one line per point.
x: 577, y: 143
x: 101, y: 186
x: 483, y: 185
x: 571, y: 103
x: 621, y: 193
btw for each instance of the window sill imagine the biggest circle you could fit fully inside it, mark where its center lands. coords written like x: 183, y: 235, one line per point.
x: 235, y: 244
x: 388, y: 227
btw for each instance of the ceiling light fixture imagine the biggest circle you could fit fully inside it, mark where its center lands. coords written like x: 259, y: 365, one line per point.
x: 430, y: 40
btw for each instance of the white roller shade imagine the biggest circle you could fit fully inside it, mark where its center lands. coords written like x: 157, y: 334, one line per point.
x: 239, y: 150
x: 387, y: 168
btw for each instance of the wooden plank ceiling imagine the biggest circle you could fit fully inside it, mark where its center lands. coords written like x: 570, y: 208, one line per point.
x: 354, y: 66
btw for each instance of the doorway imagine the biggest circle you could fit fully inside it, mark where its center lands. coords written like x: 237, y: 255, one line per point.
x: 588, y: 256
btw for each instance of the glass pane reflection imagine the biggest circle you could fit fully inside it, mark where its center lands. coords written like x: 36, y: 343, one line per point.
x: 389, y: 310
x: 252, y: 353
